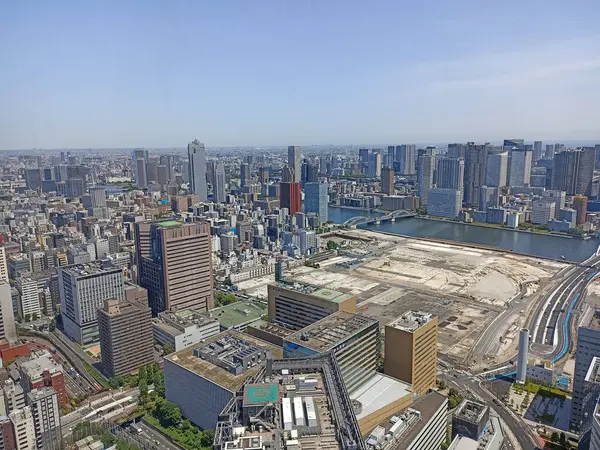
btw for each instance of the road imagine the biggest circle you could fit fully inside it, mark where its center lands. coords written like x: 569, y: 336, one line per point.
x: 470, y: 387
x: 153, y: 439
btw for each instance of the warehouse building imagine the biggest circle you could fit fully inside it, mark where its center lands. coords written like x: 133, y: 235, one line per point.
x: 202, y: 379
x: 184, y: 328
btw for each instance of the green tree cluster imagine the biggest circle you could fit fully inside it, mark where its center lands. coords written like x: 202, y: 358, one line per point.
x: 454, y: 398
x: 224, y: 298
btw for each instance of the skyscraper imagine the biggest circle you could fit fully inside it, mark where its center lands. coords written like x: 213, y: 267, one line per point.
x: 295, y: 162
x: 496, y: 170
x: 363, y: 159
x: 175, y: 264
x: 8, y: 328
x: 3, y: 263
x: 197, y: 169
x: 457, y: 150
x: 475, y: 168
x: 580, y: 205
x: 24, y: 427
x: 315, y: 200
x: 450, y: 173
x: 244, y: 174
x: 549, y: 154
x: 83, y: 289
x: 425, y: 177
x: 374, y: 168
x: 520, y: 167
x: 125, y: 336
x: 290, y: 197
x: 537, y: 151
x: 387, y: 181
x: 406, y: 157
x: 219, y: 182
x: 573, y: 171
x: 140, y: 158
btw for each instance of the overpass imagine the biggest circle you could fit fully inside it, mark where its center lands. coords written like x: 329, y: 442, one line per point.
x: 389, y: 217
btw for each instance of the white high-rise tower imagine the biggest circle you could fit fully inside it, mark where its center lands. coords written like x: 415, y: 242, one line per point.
x: 197, y: 169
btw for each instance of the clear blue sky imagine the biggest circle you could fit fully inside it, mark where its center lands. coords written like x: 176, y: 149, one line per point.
x: 124, y: 73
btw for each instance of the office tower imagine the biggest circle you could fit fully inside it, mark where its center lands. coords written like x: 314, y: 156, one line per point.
x: 580, y: 205
x: 489, y: 197
x: 297, y: 305
x: 353, y: 338
x: 374, y: 168
x: 520, y: 167
x: 219, y: 182
x: 450, y: 173
x: 522, y: 358
x: 24, y: 427
x: 510, y: 144
x: 542, y: 212
x: 45, y: 411
x: 475, y: 170
x: 264, y: 175
x: 7, y: 433
x: 290, y: 196
x: 197, y: 169
x: 167, y: 161
x: 586, y: 360
x: 496, y: 170
x: 597, y: 154
x: 126, y: 341
x: 315, y: 200
x: 411, y: 350
x: 537, y: 151
x: 8, y: 328
x: 558, y: 197
x: 3, y: 262
x: 310, y: 172
x: 444, y: 202
x: 33, y: 178
x: 406, y: 159
x: 29, y: 299
x: 74, y: 187
x: 83, y: 289
x: 151, y: 172
x: 595, y: 431
x: 97, y: 197
x: 163, y: 174
x: 387, y: 181
x: 425, y: 172
x: 573, y: 171
x: 228, y: 242
x: 60, y: 173
x: 174, y: 264
x: 363, y: 159
x: 456, y: 150
x: 140, y: 158
x: 294, y: 162
x: 244, y: 174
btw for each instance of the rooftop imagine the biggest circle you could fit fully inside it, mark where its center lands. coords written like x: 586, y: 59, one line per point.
x: 316, y: 291
x: 40, y: 361
x: 411, y: 320
x: 176, y: 322
x: 463, y: 443
x: 592, y: 375
x: 169, y: 223
x: 239, y: 313
x: 471, y: 411
x: 226, y: 357
x: 331, y: 331
x: 377, y: 393
x: 90, y: 268
x: 271, y: 328
x: 40, y: 393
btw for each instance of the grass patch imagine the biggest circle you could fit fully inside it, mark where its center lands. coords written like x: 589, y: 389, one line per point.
x: 538, y: 389
x: 96, y: 375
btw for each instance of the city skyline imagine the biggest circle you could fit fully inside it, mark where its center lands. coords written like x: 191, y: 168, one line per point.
x: 132, y: 75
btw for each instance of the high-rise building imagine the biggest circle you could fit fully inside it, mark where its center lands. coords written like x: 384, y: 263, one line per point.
x: 406, y: 157
x: 264, y: 175
x: 244, y: 174
x: 7, y: 434
x: 29, y: 298
x: 33, y: 178
x: 522, y: 358
x: 174, y: 264
x: 520, y: 167
x: 140, y: 158
x: 457, y: 150
x: 558, y: 197
x: 3, y: 262
x: 450, y: 173
x: 489, y: 197
x: 83, y: 289
x: 425, y: 171
x: 295, y: 162
x: 296, y: 305
x: 162, y: 174
x: 219, y: 182
x: 573, y: 171
x: 353, y: 338
x: 475, y: 170
x: 8, y: 328
x: 542, y: 212
x: 549, y: 154
x: 363, y: 159
x: 411, y: 350
x: 387, y: 181
x: 374, y: 167
x: 24, y: 427
x: 496, y: 170
x: 45, y: 411
x: 580, y: 205
x: 97, y: 197
x: 197, y: 169
x: 290, y: 196
x: 126, y: 341
x: 444, y: 203
x: 537, y: 151
x: 315, y: 199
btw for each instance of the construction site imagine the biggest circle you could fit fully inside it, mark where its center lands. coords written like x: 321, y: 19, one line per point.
x: 466, y: 287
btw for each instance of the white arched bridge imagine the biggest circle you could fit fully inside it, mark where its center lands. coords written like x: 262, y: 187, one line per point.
x: 390, y: 217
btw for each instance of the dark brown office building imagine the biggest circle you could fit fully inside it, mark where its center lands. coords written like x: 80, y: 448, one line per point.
x: 175, y: 265
x: 126, y: 340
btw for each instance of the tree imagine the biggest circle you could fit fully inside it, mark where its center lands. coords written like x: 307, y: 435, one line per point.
x: 562, y: 439
x: 442, y: 384
x: 168, y: 413
x: 207, y: 438
x: 143, y: 386
x: 52, y: 325
x: 554, y: 437
x: 27, y: 317
x: 332, y: 245
x: 168, y: 349
x: 143, y: 375
x: 34, y: 317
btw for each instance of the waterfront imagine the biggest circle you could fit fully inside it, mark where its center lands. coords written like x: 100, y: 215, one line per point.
x: 528, y: 243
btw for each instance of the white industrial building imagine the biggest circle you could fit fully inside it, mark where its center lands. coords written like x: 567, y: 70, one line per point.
x: 184, y: 328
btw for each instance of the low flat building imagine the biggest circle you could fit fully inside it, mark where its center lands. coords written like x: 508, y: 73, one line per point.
x: 355, y: 340
x: 237, y: 316
x: 202, y: 379
x: 269, y: 332
x: 422, y: 426
x: 183, y: 328
x: 293, y: 404
x: 297, y: 305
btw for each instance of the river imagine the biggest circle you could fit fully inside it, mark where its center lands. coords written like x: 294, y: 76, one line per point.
x: 529, y: 243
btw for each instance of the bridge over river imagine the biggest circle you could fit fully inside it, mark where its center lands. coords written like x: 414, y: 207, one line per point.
x: 390, y: 217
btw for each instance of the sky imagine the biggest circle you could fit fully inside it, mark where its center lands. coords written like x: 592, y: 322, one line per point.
x: 155, y: 73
